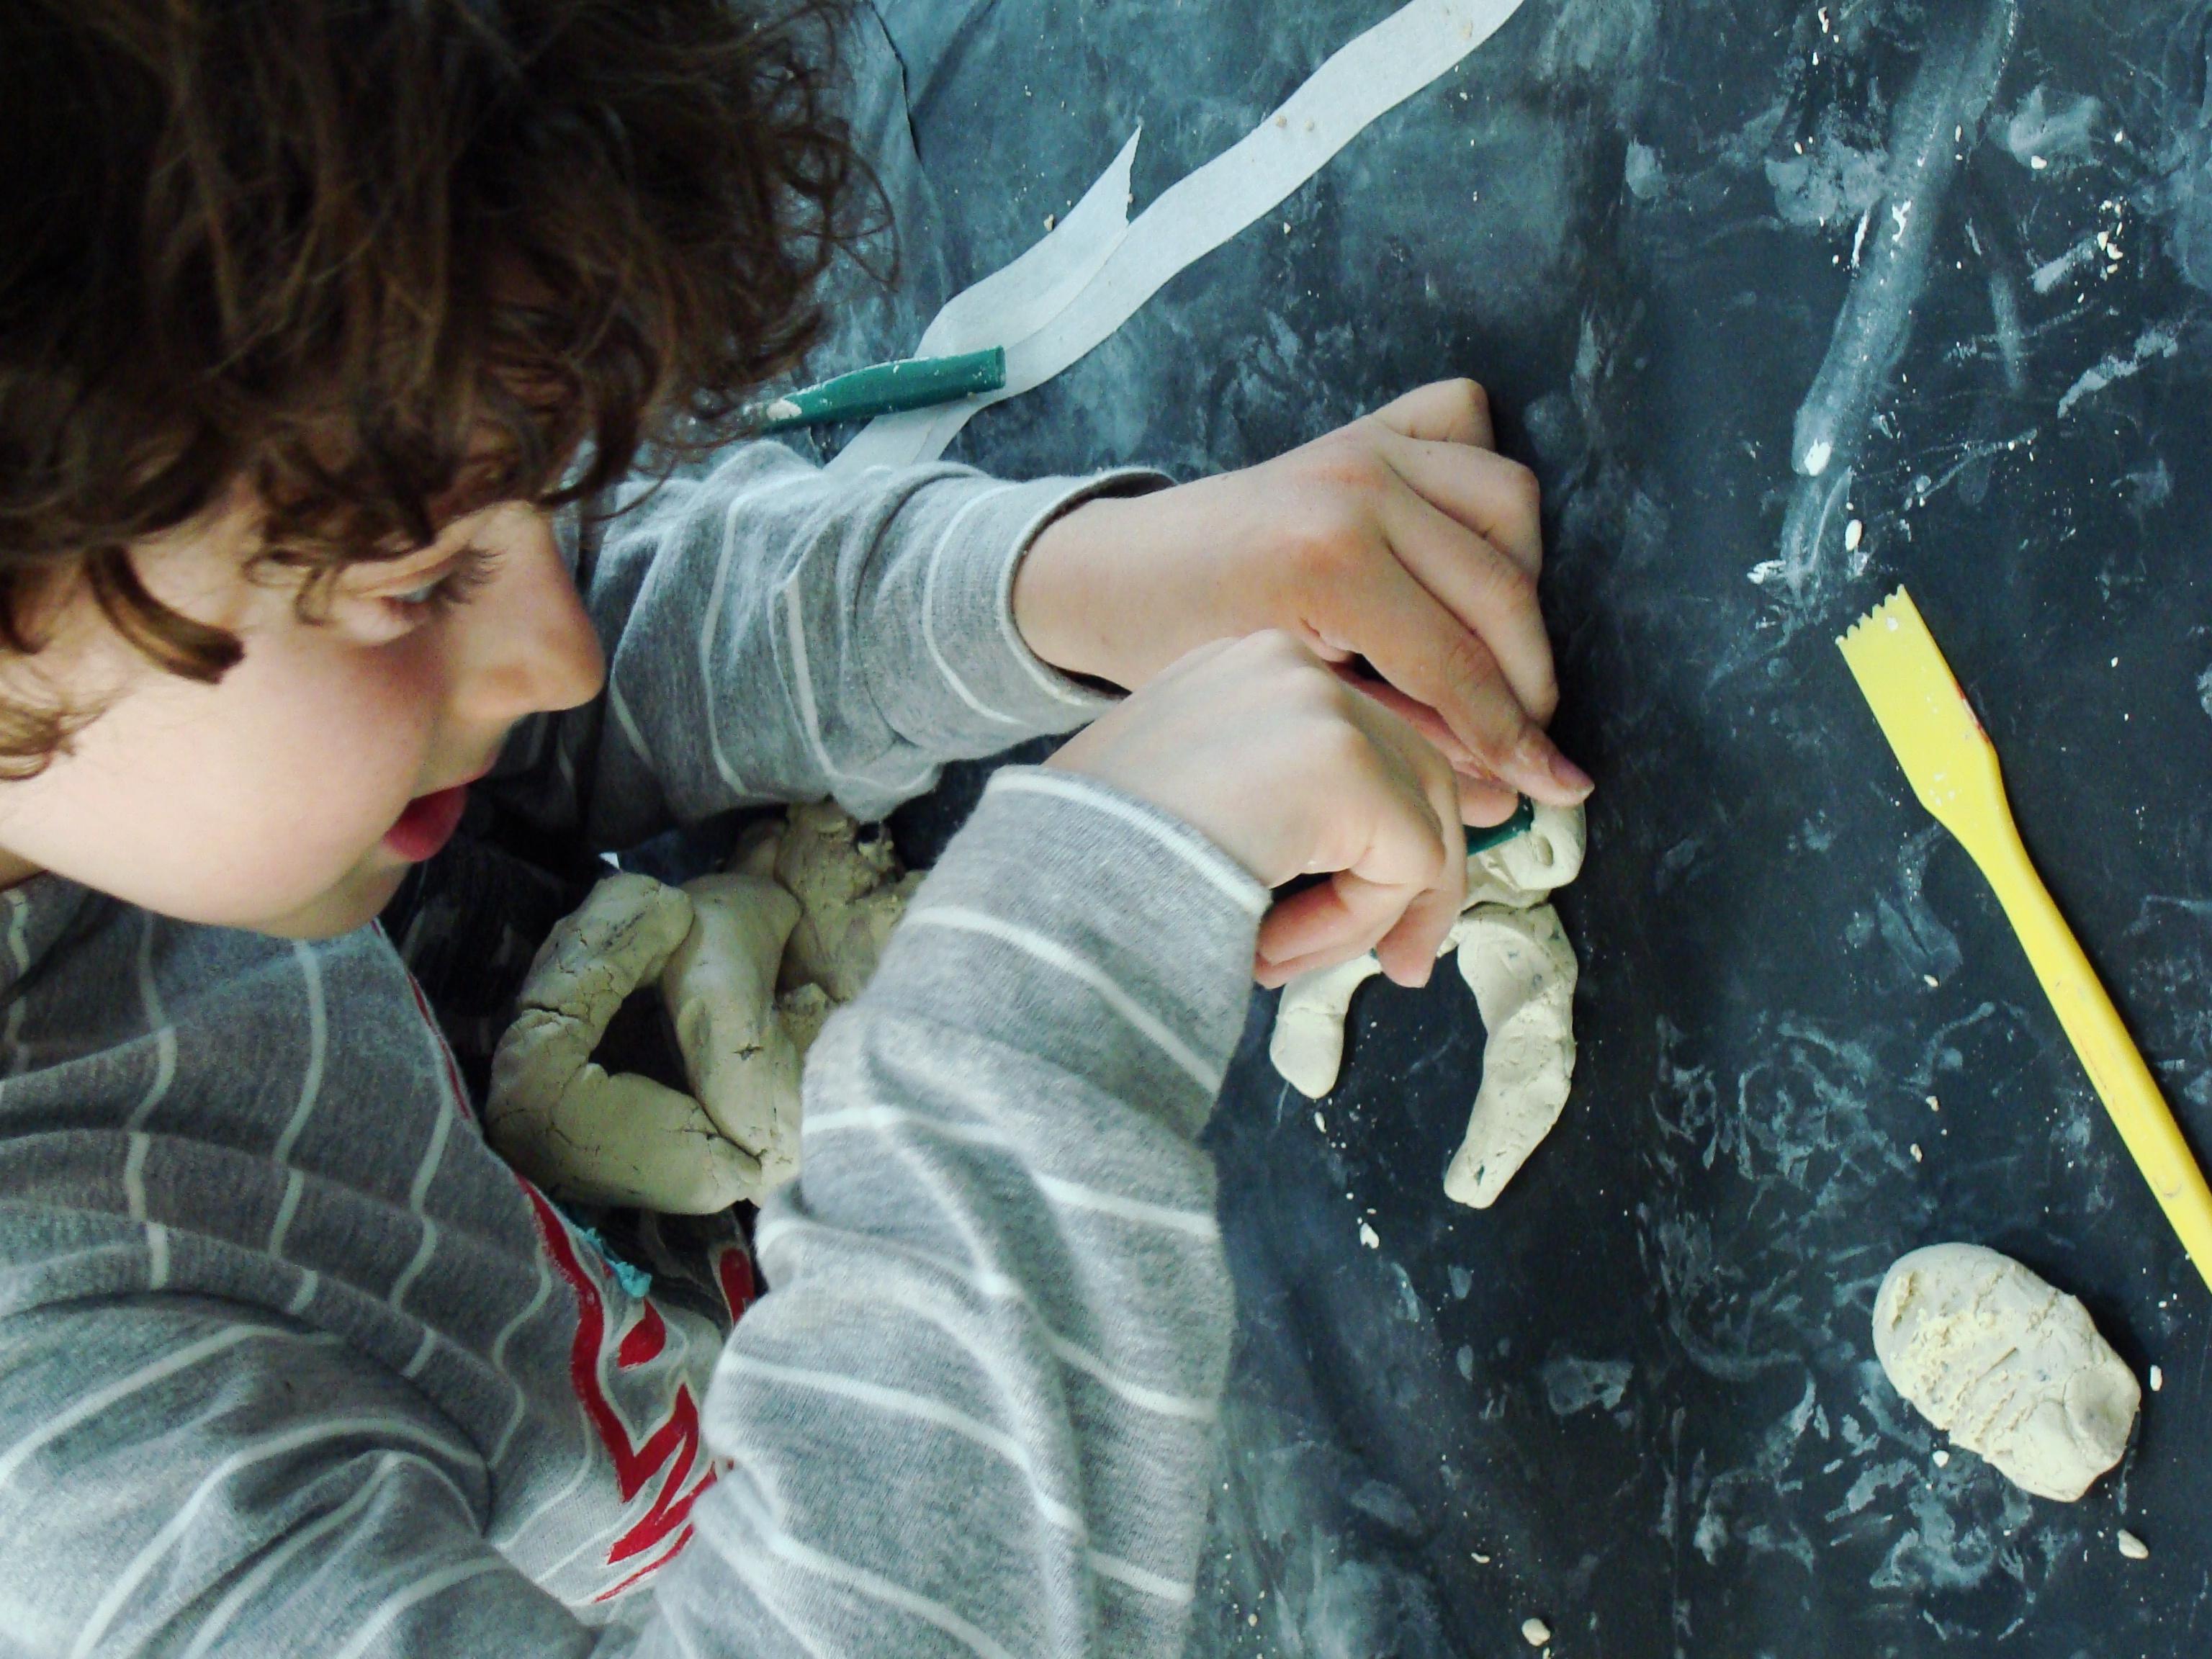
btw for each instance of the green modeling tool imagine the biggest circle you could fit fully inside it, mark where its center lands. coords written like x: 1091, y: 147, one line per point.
x: 886, y: 389
x: 1481, y: 840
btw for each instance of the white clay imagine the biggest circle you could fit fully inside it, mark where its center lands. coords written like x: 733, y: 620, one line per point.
x: 1522, y: 973
x: 851, y: 894
x: 719, y: 988
x: 1307, y: 1045
x: 808, y: 907
x: 2008, y: 1366
x: 564, y: 1121
x: 1523, y: 869
x: 2131, y: 1547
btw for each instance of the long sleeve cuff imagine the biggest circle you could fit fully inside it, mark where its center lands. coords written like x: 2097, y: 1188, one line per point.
x: 955, y: 607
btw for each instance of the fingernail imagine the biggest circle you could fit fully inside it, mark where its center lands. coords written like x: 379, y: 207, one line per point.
x: 1571, y: 776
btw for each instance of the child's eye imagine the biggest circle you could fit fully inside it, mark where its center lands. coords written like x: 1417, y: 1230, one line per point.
x: 449, y: 591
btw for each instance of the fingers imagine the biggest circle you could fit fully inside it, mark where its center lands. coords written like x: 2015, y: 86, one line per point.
x: 1430, y: 656
x: 1419, y: 715
x: 1486, y: 594
x: 1497, y: 499
x: 1443, y: 412
x: 1483, y: 800
x: 1342, y: 918
x: 1398, y: 887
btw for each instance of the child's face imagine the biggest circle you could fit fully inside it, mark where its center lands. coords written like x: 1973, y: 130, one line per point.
x: 289, y: 797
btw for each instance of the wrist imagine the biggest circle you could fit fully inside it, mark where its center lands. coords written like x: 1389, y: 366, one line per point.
x: 1059, y: 606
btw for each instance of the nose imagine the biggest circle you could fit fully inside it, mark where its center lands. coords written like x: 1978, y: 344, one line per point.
x: 535, y: 651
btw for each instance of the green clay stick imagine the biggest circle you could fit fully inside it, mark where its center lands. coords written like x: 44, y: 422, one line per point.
x: 887, y: 388
x: 1481, y: 840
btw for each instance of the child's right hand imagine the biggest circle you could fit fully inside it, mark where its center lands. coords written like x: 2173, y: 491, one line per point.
x: 1258, y: 744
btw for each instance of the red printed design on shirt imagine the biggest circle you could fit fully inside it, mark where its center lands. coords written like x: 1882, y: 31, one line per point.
x: 670, y: 1451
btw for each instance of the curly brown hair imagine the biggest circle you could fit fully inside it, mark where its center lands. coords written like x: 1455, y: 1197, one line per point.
x: 371, y: 259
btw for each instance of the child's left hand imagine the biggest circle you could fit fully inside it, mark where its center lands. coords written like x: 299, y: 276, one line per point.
x: 1404, y: 538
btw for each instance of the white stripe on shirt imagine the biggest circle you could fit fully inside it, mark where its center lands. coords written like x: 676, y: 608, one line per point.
x: 433, y: 1155
x: 1139, y: 1578
x: 588, y: 1463
x: 287, y: 1207
x: 1156, y: 1400
x: 499, y: 1358
x: 1054, y: 955
x: 1197, y: 1222
x: 275, y: 1445
x: 625, y: 723
x: 890, y: 1117
x: 899, y: 1402
x: 19, y: 956
x: 928, y: 608
x: 873, y: 1586
x: 134, y: 1201
x: 421, y: 1260
x: 311, y: 1078
x: 310, y: 1282
x: 707, y: 623
x: 145, y: 1376
x: 769, y: 1232
x: 801, y: 688
x: 422, y: 1590
x: 277, y: 1560
x: 157, y: 1023
x: 1073, y: 1193
x: 134, y: 1174
x: 1224, y: 876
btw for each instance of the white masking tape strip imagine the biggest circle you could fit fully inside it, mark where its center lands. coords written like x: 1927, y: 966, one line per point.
x: 1072, y: 290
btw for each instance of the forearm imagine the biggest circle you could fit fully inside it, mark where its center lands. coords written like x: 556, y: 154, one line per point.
x: 982, y: 1385
x: 773, y: 633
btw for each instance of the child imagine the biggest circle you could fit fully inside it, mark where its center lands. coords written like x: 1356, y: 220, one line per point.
x: 314, y: 318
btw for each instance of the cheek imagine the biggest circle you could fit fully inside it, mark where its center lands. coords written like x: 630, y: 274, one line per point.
x: 247, y: 800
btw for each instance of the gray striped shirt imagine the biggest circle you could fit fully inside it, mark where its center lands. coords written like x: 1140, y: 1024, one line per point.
x: 291, y: 1363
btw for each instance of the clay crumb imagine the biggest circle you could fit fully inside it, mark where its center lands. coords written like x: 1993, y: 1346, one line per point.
x: 2157, y: 1379
x: 2132, y: 1546
x: 1535, y: 1632
x: 1942, y: 1458
x: 1367, y: 1237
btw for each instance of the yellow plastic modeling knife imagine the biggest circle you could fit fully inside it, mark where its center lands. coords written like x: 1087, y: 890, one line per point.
x: 1953, y: 768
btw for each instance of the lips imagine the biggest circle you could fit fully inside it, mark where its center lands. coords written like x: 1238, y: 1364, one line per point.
x: 428, y: 824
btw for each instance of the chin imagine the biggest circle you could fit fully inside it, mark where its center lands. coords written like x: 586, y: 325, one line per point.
x: 352, y: 903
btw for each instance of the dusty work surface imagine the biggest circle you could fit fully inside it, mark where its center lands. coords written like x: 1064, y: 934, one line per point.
x: 1639, y: 1399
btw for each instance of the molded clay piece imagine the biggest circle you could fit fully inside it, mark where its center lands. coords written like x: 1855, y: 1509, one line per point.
x: 1526, y: 998
x: 2005, y: 1366
x: 1522, y: 973
x: 567, y: 1124
x: 805, y: 908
